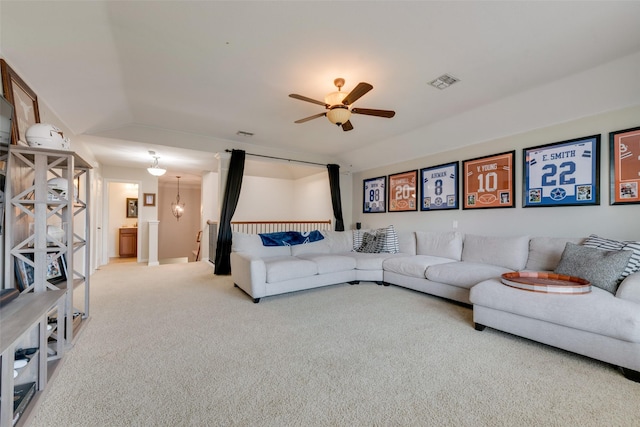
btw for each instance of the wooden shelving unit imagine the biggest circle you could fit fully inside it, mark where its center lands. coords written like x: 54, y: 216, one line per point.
x: 47, y: 245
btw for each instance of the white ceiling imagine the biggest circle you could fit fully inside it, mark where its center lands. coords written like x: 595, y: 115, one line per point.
x: 182, y: 78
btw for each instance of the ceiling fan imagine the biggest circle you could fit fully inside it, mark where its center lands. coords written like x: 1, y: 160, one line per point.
x: 340, y: 107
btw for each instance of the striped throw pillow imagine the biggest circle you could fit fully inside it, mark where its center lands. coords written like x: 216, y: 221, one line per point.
x: 594, y: 241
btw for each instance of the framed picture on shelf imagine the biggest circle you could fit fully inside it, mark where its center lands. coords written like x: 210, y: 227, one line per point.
x: 149, y: 199
x: 56, y: 269
x: 489, y: 181
x: 374, y: 195
x: 624, y: 170
x: 564, y: 173
x: 402, y: 192
x: 132, y: 208
x: 24, y: 101
x: 439, y: 187
x: 24, y: 274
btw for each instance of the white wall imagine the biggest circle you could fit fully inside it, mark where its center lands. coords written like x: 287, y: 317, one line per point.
x: 210, y: 209
x: 312, y: 198
x: 265, y: 199
x: 617, y: 222
x: 178, y: 238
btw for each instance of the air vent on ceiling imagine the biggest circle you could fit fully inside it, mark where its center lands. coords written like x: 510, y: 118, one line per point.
x: 244, y: 133
x: 444, y: 81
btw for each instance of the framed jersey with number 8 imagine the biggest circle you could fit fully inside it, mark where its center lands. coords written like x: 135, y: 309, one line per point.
x: 439, y: 186
x: 374, y: 195
x: 402, y: 192
x: 565, y: 173
x: 488, y: 181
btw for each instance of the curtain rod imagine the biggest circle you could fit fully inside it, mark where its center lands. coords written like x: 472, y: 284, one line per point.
x: 281, y: 158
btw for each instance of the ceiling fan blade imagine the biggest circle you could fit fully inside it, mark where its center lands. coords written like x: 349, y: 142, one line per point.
x: 356, y: 93
x: 306, y: 119
x: 304, y: 98
x: 378, y: 113
x: 346, y: 126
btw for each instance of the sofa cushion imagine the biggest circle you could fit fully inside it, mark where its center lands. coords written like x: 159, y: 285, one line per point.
x: 507, y: 252
x: 371, y: 261
x: 597, y: 311
x: 545, y: 252
x: 601, y: 267
x: 330, y: 263
x: 288, y: 267
x: 440, y: 244
x: 252, y: 244
x: 413, y: 266
x: 321, y: 247
x: 407, y: 242
x: 633, y: 265
x: 338, y: 241
x: 464, y: 274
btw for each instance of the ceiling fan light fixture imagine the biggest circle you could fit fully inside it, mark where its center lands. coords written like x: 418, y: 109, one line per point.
x: 339, y: 114
x: 335, y: 98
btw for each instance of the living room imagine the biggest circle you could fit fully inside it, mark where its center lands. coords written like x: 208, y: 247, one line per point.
x: 582, y: 81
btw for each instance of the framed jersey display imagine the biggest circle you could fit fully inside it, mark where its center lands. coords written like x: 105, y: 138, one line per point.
x: 624, y: 149
x: 374, y: 196
x: 488, y: 181
x: 565, y: 173
x: 402, y: 192
x: 439, y: 187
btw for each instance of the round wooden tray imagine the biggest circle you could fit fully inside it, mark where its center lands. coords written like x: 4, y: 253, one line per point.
x: 549, y: 283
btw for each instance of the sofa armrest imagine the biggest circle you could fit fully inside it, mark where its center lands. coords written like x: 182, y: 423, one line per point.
x: 249, y: 273
x: 629, y: 289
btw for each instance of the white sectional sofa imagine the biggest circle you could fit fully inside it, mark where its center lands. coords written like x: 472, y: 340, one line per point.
x: 464, y: 268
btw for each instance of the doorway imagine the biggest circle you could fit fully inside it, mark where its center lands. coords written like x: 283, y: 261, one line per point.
x: 121, y: 222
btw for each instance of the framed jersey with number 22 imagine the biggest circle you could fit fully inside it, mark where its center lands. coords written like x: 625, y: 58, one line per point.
x: 565, y: 173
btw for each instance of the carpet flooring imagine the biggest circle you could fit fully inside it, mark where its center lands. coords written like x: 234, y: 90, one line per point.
x: 174, y: 345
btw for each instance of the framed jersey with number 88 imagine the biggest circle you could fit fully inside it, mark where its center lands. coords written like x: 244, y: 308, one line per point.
x: 374, y: 195
x: 439, y: 185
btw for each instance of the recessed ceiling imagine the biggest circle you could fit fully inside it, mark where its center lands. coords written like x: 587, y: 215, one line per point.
x: 182, y: 77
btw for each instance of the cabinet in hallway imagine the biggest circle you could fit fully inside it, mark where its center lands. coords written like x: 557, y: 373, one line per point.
x: 128, y: 242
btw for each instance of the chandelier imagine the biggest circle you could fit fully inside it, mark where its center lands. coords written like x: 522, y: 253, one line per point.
x: 177, y: 207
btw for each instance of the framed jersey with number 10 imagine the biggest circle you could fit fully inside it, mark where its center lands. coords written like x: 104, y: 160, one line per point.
x: 565, y: 173
x: 439, y: 187
x: 374, y: 195
x: 488, y: 181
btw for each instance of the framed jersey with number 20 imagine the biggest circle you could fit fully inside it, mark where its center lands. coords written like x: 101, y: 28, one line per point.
x: 488, y: 181
x: 565, y: 173
x: 403, y: 188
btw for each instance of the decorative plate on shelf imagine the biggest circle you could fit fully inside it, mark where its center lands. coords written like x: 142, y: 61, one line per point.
x: 549, y: 283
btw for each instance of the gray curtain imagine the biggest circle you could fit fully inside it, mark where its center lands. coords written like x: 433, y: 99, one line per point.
x: 229, y: 204
x: 334, y: 185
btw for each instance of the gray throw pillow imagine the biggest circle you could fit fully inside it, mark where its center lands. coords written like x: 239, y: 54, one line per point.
x: 372, y: 242
x: 600, y: 267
